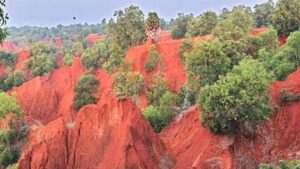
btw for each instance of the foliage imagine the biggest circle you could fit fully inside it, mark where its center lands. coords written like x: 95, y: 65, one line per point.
x: 152, y: 25
x: 93, y: 58
x: 9, y: 105
x: 263, y: 14
x: 42, y: 64
x: 128, y: 29
x: 157, y: 89
x: 202, y: 25
x: 152, y: 60
x: 185, y: 93
x: 292, y: 164
x: 11, y: 79
x: 284, y: 61
x: 179, y: 26
x: 8, y: 59
x: 161, y: 115
x: 236, y: 26
x: 286, y: 17
x: 3, y: 19
x: 239, y: 98
x: 68, y: 60
x: 185, y: 47
x: 39, y: 48
x: 116, y: 56
x: 128, y: 84
x: 19, y: 79
x: 208, y: 62
x: 84, y: 89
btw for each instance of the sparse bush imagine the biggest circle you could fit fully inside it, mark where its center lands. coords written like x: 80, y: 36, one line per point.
x: 84, y: 91
x: 9, y: 105
x: 156, y: 90
x: 19, y: 79
x: 208, y: 61
x: 68, y: 60
x: 152, y: 60
x: 42, y: 64
x: 128, y: 84
x: 239, y: 98
x: 185, y: 95
x: 8, y: 59
x: 185, y: 46
x: 161, y: 115
x: 292, y: 164
x: 179, y: 26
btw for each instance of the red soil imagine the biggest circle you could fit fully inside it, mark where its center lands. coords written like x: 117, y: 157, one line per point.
x: 193, y: 146
x: 9, y: 46
x: 22, y: 57
x: 2, y: 70
x: 92, y: 38
x: 113, y: 134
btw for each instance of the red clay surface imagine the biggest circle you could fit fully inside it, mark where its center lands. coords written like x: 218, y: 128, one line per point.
x: 113, y: 134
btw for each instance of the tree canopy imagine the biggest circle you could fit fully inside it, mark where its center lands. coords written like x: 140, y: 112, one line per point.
x: 286, y: 17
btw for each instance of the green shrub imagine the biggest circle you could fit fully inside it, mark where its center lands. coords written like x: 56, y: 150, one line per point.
x: 93, y: 58
x: 185, y: 46
x: 85, y: 87
x: 208, y: 61
x: 68, y: 60
x: 292, y: 164
x: 128, y: 84
x: 152, y: 60
x: 234, y: 27
x: 185, y: 96
x: 8, y: 59
x: 161, y: 115
x: 19, y: 79
x: 39, y: 48
x: 239, y: 98
x: 157, y: 89
x: 9, y: 105
x: 42, y: 64
x: 179, y: 26
x: 10, y: 137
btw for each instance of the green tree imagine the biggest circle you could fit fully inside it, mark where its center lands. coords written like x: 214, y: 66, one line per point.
x: 202, y: 25
x: 208, y: 61
x: 179, y: 26
x: 68, y: 60
x: 8, y: 59
x: 152, y: 60
x: 292, y: 164
x: 84, y: 91
x: 19, y: 79
x: 284, y: 60
x: 236, y: 26
x: 238, y: 99
x: 286, y: 17
x: 128, y: 29
x: 152, y: 25
x: 263, y: 14
x: 185, y: 47
x: 93, y: 58
x: 42, y: 64
x: 161, y: 115
x: 128, y: 84
x: 156, y: 90
x: 3, y: 19
x: 9, y: 105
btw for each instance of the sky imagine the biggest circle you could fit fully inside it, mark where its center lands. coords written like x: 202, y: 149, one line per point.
x: 54, y: 12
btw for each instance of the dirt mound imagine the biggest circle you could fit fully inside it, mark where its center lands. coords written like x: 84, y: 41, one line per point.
x: 92, y: 38
x: 22, y: 57
x: 9, y: 46
x: 193, y: 146
x: 112, y: 135
x: 44, y: 99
